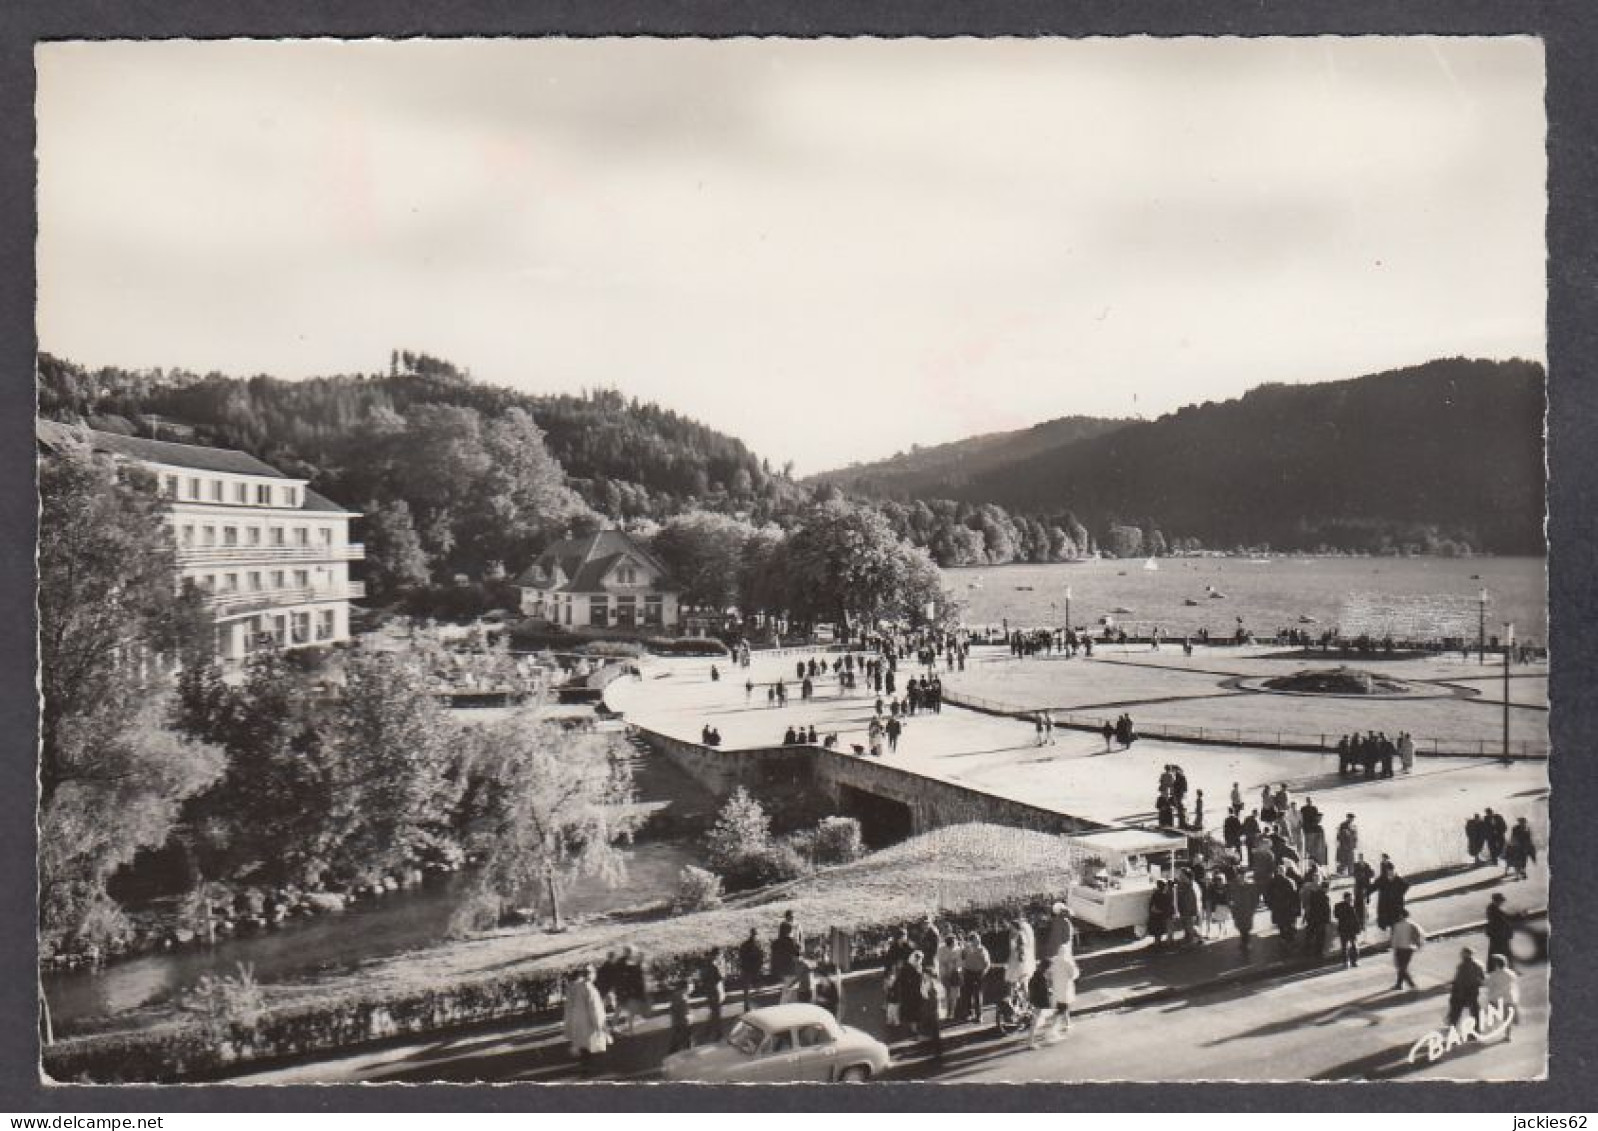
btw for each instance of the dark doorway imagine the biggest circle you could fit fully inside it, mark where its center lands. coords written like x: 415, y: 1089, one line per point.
x: 883, y: 821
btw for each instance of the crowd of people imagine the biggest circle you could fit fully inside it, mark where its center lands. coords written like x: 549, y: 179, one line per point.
x: 1372, y: 754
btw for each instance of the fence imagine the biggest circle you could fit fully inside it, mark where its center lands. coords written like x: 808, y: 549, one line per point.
x: 1303, y: 741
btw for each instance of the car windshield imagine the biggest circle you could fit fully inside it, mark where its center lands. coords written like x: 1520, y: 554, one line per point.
x: 746, y: 1038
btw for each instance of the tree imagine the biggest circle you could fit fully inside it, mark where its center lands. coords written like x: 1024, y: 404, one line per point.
x: 110, y: 778
x: 546, y: 809
x: 393, y: 774
x: 395, y: 560
x: 705, y: 555
x: 742, y: 831
x: 844, y: 564
x: 1125, y: 541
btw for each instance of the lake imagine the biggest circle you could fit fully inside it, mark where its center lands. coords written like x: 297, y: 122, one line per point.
x: 1271, y: 594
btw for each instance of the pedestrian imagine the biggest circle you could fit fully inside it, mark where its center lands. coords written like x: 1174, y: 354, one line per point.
x: 1109, y: 735
x: 749, y: 690
x: 948, y: 970
x: 1317, y: 914
x: 1475, y: 837
x: 584, y: 1018
x: 1063, y: 975
x: 1040, y: 993
x: 1497, y: 835
x: 1389, y: 889
x: 1521, y: 849
x: 713, y: 984
x: 1500, y: 928
x: 1347, y: 918
x: 1236, y: 799
x: 1198, y: 810
x: 785, y: 951
x: 930, y: 1017
x: 1293, y: 827
x: 1232, y: 832
x: 1406, y: 751
x: 1464, y: 994
x: 1282, y: 897
x: 1407, y: 939
x: 1162, y: 906
x: 751, y: 961
x: 632, y: 989
x: 907, y: 992
x: 1314, y: 835
x: 1347, y: 845
x: 1217, y: 907
x: 974, y: 965
x: 1503, y: 991
x: 1244, y: 896
x: 682, y: 1032
x: 1188, y: 901
x: 1021, y: 959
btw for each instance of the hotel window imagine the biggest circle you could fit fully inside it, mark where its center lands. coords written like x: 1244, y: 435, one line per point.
x: 209, y: 535
x: 194, y: 488
x: 325, y: 624
x: 302, y: 579
x: 230, y: 536
x: 291, y: 497
x: 302, y: 628
x: 327, y: 535
x: 254, y: 582
x: 241, y: 492
x: 263, y: 494
x: 278, y: 536
x: 207, y: 582
x: 277, y: 579
x: 230, y: 583
x: 188, y: 536
x: 302, y: 536
x: 216, y: 490
x: 252, y: 535
x: 171, y: 482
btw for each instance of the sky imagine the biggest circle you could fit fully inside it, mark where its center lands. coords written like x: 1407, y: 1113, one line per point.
x: 833, y: 249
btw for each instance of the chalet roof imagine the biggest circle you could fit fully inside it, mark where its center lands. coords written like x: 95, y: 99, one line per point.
x: 585, y: 561
x: 54, y: 434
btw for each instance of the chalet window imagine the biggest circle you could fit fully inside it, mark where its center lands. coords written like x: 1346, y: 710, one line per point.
x: 626, y: 612
x: 599, y: 612
x: 652, y: 611
x: 627, y: 575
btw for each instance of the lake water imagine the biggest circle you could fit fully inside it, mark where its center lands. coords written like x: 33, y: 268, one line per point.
x: 1268, y: 595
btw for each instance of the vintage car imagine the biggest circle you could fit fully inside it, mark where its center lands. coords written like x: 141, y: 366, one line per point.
x: 783, y: 1043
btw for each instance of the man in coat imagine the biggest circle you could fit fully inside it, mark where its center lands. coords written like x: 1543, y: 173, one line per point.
x: 1500, y: 928
x: 1497, y: 835
x: 1314, y: 834
x: 1347, y: 845
x: 1475, y: 837
x: 1244, y: 897
x: 1390, y: 889
x: 1317, y: 914
x: 1465, y: 992
x: 1281, y: 896
x: 1347, y: 917
x: 1407, y: 939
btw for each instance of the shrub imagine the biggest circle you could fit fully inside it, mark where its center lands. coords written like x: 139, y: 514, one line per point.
x: 697, y: 890
x: 837, y: 841
x: 226, y: 1005
x: 685, y: 646
x: 742, y: 830
x: 777, y: 863
x: 614, y: 649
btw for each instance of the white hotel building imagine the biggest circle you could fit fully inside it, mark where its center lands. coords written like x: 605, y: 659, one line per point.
x: 272, y: 556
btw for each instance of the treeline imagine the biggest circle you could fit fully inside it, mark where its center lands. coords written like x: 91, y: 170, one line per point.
x: 456, y: 477
x: 1445, y: 457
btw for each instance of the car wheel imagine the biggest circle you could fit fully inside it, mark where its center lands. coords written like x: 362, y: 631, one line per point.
x: 855, y: 1074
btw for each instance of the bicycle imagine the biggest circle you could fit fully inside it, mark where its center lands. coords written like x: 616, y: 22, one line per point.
x: 1014, y: 1011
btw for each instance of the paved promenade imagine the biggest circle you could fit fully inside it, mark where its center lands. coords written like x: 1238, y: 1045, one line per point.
x: 1417, y: 818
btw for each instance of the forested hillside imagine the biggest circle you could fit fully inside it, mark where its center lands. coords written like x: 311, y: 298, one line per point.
x: 1437, y: 457
x: 938, y: 471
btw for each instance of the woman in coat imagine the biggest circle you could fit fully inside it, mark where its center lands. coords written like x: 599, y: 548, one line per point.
x: 1244, y: 896
x: 1063, y: 973
x: 1347, y: 845
x: 584, y: 1018
x: 1521, y: 849
x: 1023, y: 957
x: 1161, y: 907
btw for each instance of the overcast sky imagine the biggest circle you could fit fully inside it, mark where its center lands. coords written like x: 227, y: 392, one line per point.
x: 831, y: 249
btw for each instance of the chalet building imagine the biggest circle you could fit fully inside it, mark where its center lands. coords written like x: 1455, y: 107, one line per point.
x: 271, y: 556
x: 604, y: 580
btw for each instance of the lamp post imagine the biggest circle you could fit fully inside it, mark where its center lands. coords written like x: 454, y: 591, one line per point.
x: 1482, y: 631
x: 1509, y: 647
x: 1068, y: 608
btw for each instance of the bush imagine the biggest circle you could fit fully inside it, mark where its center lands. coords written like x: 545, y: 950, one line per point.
x: 776, y: 864
x: 697, y: 890
x: 837, y: 841
x: 611, y: 649
x: 685, y: 646
x: 226, y: 1005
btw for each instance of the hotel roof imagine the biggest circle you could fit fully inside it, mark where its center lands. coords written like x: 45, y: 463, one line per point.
x: 53, y: 434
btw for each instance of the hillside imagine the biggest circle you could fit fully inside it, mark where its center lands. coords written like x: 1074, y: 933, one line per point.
x: 1448, y: 450
x: 938, y: 471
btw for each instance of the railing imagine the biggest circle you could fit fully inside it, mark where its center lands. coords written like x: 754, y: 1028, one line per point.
x: 244, y: 603
x: 1310, y: 741
x: 241, y: 555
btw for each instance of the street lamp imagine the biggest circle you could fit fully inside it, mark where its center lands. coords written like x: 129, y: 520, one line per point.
x: 1068, y: 608
x: 1509, y: 646
x: 1482, y: 637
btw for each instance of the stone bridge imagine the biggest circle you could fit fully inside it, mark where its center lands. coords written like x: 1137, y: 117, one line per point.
x: 890, y: 802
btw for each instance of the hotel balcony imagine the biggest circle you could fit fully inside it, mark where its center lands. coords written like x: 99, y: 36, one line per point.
x: 266, y: 555
x: 240, y: 603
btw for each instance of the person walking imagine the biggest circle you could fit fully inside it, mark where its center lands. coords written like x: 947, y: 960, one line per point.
x: 1314, y: 835
x: 1109, y: 735
x: 930, y: 1017
x: 948, y: 971
x: 682, y: 1030
x: 1475, y: 837
x: 713, y: 984
x: 1236, y: 799
x: 1390, y: 890
x: 1347, y: 918
x: 974, y: 965
x: 1161, y: 907
x: 1217, y: 907
x: 1188, y: 901
x: 1347, y: 845
x: 584, y: 1020
x: 1407, y: 939
x: 1282, y: 897
x: 1063, y: 975
x: 1060, y: 934
x: 1317, y: 914
x: 1500, y: 928
x: 1040, y: 993
x: 1521, y: 849
x: 1021, y: 959
x: 1244, y: 896
x: 751, y: 962
x: 1497, y: 835
x: 1503, y: 990
x: 1464, y: 994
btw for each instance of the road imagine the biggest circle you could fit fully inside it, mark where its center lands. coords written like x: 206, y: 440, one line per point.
x: 1326, y: 1023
